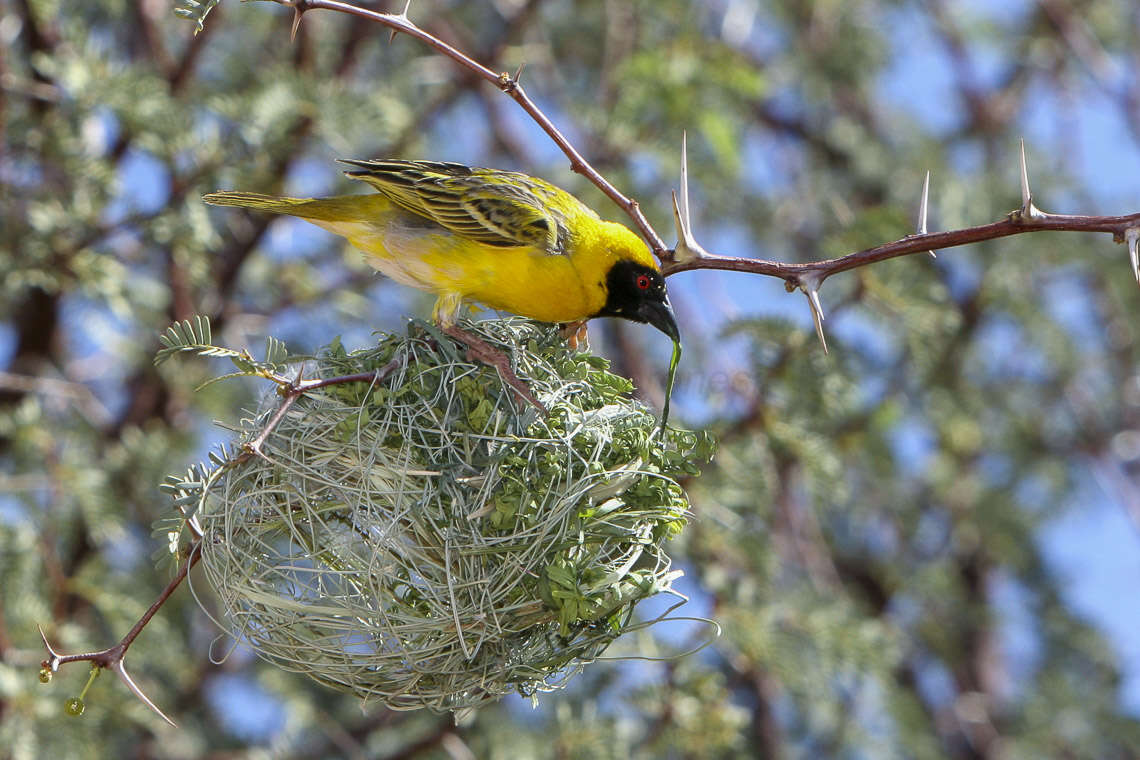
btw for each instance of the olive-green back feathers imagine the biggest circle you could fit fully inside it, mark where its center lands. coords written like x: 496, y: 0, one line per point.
x: 489, y: 206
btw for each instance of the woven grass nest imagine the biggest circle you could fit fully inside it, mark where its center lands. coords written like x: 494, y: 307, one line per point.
x: 427, y: 540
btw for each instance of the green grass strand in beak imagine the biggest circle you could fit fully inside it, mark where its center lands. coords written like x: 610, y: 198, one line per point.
x: 669, y: 384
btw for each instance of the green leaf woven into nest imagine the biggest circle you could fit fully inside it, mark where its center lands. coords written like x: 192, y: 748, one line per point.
x: 424, y: 542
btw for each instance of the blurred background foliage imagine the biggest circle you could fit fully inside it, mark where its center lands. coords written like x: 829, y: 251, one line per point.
x: 922, y: 545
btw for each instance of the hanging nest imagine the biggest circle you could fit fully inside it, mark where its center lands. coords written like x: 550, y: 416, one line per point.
x: 426, y: 540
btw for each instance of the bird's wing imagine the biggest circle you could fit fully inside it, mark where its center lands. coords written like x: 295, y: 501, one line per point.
x: 488, y: 206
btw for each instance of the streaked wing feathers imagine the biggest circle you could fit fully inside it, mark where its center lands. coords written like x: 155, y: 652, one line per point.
x: 492, y: 207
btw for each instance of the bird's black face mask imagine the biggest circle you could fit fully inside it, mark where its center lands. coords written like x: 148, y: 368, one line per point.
x: 637, y: 292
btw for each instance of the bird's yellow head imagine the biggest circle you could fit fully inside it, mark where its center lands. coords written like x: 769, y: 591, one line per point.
x: 635, y: 288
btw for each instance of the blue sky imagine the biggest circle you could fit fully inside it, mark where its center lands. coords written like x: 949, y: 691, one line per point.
x: 1094, y: 548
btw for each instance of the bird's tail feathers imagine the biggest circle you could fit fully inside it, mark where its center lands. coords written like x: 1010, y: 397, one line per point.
x: 317, y: 209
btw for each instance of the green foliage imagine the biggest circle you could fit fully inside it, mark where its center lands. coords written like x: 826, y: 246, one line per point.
x: 194, y: 336
x: 873, y: 532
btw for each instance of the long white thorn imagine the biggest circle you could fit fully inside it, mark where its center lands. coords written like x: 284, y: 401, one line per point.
x: 687, y: 248
x: 1028, y: 211
x: 809, y: 284
x: 923, y: 205
x: 121, y: 671
x: 1132, y: 237
x: 685, y: 176
x: 297, y: 13
x: 1026, y: 197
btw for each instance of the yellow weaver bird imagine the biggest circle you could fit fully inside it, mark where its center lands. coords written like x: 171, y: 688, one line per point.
x: 502, y: 239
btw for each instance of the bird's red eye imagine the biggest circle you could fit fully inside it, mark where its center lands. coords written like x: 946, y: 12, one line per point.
x: 643, y: 282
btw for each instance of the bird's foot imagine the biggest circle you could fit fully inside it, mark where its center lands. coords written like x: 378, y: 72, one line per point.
x: 575, y: 334
x: 480, y: 350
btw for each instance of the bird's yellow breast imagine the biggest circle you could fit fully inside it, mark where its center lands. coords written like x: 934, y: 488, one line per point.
x: 522, y: 280
x: 502, y: 239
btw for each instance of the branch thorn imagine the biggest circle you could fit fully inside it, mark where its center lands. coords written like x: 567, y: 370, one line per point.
x: 1132, y: 237
x: 1027, y: 212
x: 53, y: 660
x: 121, y: 670
x: 112, y: 659
x: 518, y: 74
x: 402, y: 15
x: 687, y: 248
x: 922, y: 208
x: 1026, y: 196
x: 809, y: 284
x: 298, y: 11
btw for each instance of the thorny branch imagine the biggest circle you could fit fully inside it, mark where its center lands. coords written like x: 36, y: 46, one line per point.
x: 113, y: 657
x: 291, y: 391
x: 793, y: 274
x: 688, y: 254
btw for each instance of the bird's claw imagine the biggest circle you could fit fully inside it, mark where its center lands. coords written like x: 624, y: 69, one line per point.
x: 480, y: 350
x: 576, y: 335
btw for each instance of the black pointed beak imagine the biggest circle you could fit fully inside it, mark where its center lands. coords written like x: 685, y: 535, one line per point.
x: 660, y: 315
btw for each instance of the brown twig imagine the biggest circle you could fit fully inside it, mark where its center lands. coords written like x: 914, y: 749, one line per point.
x: 294, y: 390
x: 399, y: 23
x: 112, y: 658
x: 1014, y: 224
x: 689, y: 255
